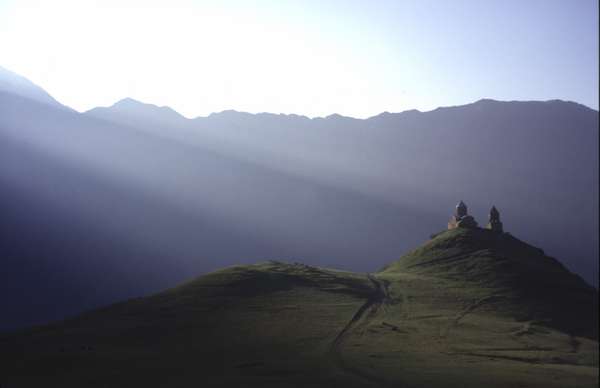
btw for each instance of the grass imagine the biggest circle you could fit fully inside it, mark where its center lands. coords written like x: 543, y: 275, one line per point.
x: 442, y: 323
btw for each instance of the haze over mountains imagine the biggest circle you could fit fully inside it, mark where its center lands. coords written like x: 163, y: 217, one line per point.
x: 129, y: 199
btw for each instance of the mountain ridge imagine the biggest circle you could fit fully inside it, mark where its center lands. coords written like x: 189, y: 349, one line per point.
x: 230, y: 112
x: 14, y: 83
x: 348, y: 188
x: 19, y: 81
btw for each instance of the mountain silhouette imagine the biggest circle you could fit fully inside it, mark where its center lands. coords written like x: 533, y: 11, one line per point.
x: 13, y: 83
x: 132, y: 112
x: 546, y: 150
x: 134, y: 191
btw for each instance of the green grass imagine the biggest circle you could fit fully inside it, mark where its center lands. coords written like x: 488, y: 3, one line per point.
x: 455, y: 315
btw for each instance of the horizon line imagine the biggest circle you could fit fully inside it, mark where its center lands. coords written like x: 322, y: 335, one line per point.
x: 481, y: 100
x: 335, y: 114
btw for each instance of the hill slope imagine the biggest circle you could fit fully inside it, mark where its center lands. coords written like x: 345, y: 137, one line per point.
x: 518, y: 277
x: 433, y: 318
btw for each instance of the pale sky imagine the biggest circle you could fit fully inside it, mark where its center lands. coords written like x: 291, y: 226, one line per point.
x: 356, y: 58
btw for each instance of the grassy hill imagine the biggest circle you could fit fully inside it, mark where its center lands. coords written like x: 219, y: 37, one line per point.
x: 517, y: 278
x: 469, y: 308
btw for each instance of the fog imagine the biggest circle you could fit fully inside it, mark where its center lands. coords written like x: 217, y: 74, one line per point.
x: 127, y: 200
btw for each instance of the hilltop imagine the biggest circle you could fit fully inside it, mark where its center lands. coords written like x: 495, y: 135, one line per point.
x: 470, y: 307
x: 520, y: 279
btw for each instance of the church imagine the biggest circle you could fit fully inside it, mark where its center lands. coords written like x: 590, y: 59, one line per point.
x: 462, y: 219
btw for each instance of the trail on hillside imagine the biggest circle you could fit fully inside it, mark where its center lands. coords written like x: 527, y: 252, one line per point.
x: 444, y: 332
x: 369, y: 310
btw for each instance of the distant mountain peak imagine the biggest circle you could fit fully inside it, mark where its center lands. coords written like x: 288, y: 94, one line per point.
x: 485, y: 100
x: 552, y: 102
x: 227, y: 112
x: 131, y: 111
x: 128, y: 101
x: 14, y: 83
x: 390, y: 115
x: 337, y: 116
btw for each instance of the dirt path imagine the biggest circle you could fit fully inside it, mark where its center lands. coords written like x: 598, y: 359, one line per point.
x: 369, y: 310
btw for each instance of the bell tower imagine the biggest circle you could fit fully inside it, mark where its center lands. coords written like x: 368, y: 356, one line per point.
x: 461, y: 210
x: 494, y: 220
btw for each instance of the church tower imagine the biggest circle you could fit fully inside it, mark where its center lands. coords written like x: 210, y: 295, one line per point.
x: 494, y: 221
x: 461, y: 218
x: 461, y: 210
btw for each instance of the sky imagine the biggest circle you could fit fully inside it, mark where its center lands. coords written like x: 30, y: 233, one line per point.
x: 355, y: 58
